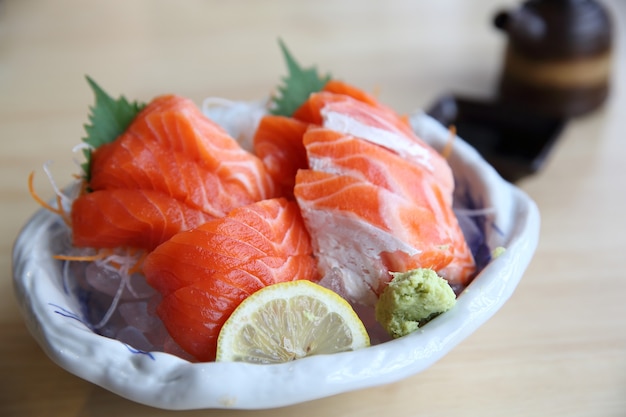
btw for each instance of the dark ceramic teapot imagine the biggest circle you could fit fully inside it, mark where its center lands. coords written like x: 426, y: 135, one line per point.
x: 558, y: 55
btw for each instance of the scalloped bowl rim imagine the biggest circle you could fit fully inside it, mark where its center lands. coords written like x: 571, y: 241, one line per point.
x: 166, y: 381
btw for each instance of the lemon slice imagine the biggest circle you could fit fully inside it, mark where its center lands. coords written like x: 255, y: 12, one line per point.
x: 289, y: 321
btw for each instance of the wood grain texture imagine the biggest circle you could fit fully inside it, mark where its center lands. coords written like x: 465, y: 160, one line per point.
x: 557, y: 348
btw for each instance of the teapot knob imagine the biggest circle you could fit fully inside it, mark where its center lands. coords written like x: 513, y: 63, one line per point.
x: 501, y: 20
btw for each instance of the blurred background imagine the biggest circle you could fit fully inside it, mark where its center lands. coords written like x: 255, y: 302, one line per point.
x: 541, y: 355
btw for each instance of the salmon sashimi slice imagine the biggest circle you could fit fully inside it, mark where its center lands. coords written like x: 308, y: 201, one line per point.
x: 360, y: 232
x: 332, y: 151
x: 376, y: 124
x: 234, y: 241
x: 178, y: 125
x: 355, y: 186
x: 130, y: 218
x: 310, y: 110
x: 387, y: 130
x: 341, y: 87
x: 278, y: 142
x: 194, y: 315
x: 205, y: 273
x: 184, y: 169
x: 131, y: 162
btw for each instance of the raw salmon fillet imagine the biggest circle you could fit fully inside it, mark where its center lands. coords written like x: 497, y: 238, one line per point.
x: 134, y: 218
x: 372, y: 210
x: 361, y: 232
x: 131, y: 162
x: 172, y: 169
x: 171, y: 134
x: 205, y: 273
x: 341, y: 87
x: 278, y: 142
x: 336, y: 90
x: 331, y: 151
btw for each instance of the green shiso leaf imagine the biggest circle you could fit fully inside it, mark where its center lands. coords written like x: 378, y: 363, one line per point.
x: 108, y: 119
x: 297, y: 87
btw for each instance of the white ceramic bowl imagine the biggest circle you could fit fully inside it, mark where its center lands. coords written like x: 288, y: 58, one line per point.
x: 166, y: 381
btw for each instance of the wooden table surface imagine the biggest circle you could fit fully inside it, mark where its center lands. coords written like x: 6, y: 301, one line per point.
x: 557, y: 348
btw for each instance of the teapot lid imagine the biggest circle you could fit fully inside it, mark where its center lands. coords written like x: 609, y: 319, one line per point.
x: 557, y: 28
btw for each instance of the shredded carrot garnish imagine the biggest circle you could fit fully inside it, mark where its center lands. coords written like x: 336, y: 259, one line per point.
x: 137, y: 267
x: 447, y: 149
x: 56, y: 210
x: 103, y: 254
x: 80, y: 258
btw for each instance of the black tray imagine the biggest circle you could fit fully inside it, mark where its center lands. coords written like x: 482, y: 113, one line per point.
x: 515, y: 140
